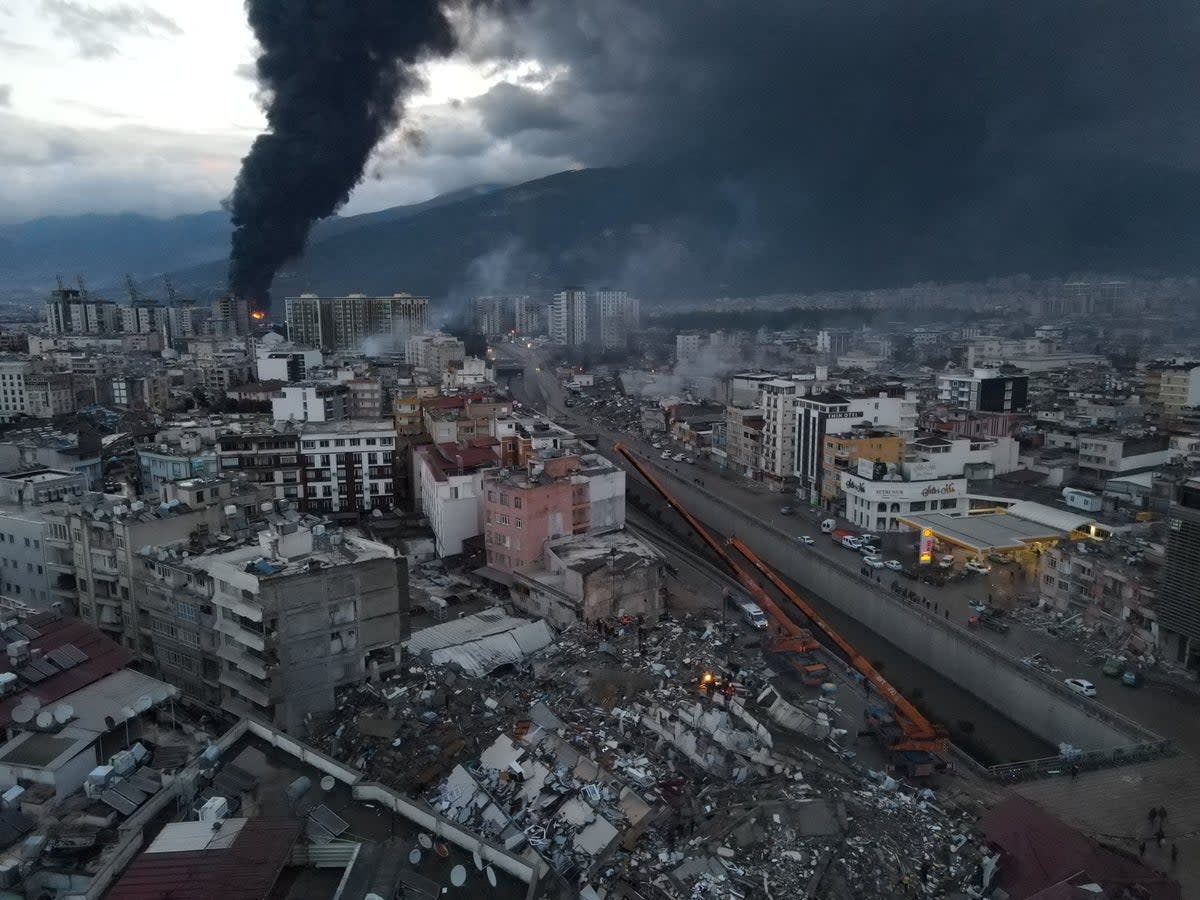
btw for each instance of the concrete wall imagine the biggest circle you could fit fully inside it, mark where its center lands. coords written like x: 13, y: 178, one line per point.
x: 1039, y: 703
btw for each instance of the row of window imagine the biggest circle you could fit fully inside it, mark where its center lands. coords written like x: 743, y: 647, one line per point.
x: 349, y: 442
x: 6, y: 563
x: 29, y: 542
x: 504, y: 499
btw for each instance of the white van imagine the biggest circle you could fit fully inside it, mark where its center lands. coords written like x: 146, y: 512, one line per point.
x: 753, y: 614
x: 828, y: 525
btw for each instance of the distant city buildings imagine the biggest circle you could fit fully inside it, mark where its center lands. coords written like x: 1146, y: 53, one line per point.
x: 984, y: 390
x: 603, y: 319
x: 356, y: 323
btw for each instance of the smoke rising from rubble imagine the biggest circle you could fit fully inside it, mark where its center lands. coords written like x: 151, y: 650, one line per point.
x: 335, y: 76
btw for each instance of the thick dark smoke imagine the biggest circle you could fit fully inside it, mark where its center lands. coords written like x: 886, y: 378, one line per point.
x: 879, y: 132
x: 335, y: 74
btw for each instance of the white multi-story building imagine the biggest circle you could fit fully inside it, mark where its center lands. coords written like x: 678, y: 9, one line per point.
x: 311, y: 403
x: 986, y: 390
x: 973, y: 458
x: 568, y: 317
x: 777, y: 400
x: 435, y: 352
x: 356, y: 323
x: 878, y: 505
x: 72, y: 312
x: 142, y: 317
x: 1173, y: 385
x: 348, y: 466
x: 820, y: 414
x: 13, y: 399
x: 471, y: 372
x: 450, y: 487
x: 276, y: 364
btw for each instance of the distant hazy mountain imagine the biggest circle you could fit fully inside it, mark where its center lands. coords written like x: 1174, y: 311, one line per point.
x: 103, y: 248
x: 674, y: 232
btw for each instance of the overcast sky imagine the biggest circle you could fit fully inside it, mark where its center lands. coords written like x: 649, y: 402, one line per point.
x: 123, y: 106
x: 898, y: 110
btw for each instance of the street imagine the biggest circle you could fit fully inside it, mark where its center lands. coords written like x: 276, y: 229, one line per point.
x: 1173, y: 715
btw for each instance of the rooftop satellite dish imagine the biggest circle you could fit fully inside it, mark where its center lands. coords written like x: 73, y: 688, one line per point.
x: 327, y: 783
x: 64, y: 713
x: 23, y: 714
x: 425, y: 841
x: 491, y: 876
x: 44, y: 720
x: 414, y: 856
x: 458, y: 876
x: 143, y: 703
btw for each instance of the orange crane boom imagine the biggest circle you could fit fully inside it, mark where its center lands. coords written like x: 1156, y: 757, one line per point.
x: 919, y: 732
x: 744, y: 578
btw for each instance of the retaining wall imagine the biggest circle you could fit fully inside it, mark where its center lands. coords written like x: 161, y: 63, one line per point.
x: 1039, y: 703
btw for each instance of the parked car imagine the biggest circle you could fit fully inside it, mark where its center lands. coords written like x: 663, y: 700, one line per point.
x: 894, y: 565
x: 873, y: 561
x: 805, y: 539
x: 828, y: 525
x: 869, y: 538
x: 868, y: 549
x: 1081, y: 686
x: 666, y: 454
x: 1132, y: 678
x: 850, y: 542
x: 977, y: 567
x: 911, y: 574
x: 946, y: 561
x: 787, y: 510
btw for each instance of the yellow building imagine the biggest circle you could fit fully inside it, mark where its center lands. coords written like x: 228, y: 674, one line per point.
x: 842, y: 452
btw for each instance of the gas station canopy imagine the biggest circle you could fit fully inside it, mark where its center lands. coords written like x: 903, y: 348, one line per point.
x: 990, y: 532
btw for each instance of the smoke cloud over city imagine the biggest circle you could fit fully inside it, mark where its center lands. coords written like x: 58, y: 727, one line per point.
x: 334, y: 76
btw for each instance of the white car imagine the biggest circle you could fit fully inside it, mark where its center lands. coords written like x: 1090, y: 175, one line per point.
x: 805, y: 539
x: 1081, y: 686
x: 873, y: 561
x: 666, y: 454
x: 894, y: 564
x: 678, y: 457
x: 850, y: 542
x: 946, y: 562
x: 867, y: 549
x: 977, y: 567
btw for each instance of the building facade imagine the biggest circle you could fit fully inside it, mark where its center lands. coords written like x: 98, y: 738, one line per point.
x: 356, y: 323
x: 347, y: 467
x: 984, y: 390
x: 843, y: 451
x: 568, y: 318
x: 1179, y: 607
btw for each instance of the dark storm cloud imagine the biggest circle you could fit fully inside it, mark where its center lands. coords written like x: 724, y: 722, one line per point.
x: 879, y: 89
x: 97, y: 29
x: 509, y: 110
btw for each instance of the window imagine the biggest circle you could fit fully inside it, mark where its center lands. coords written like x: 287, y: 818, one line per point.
x: 370, y: 442
x: 949, y: 504
x: 518, y: 523
x: 1048, y: 580
x: 917, y: 506
x: 339, y: 443
x: 516, y: 502
x: 454, y: 493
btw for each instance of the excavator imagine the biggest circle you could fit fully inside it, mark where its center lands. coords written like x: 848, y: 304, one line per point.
x: 915, y: 746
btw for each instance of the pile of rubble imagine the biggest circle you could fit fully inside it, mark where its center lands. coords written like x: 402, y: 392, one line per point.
x: 613, y: 756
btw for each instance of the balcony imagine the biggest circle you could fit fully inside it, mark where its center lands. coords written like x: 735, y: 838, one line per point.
x: 240, y: 634
x: 246, y: 688
x: 253, y: 666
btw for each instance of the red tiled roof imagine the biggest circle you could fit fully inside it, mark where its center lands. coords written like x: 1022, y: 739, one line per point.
x: 247, y: 870
x: 484, y: 440
x: 456, y: 455
x: 1041, y: 852
x: 105, y: 656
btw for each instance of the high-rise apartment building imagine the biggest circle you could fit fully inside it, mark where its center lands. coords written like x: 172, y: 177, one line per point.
x: 1179, y: 601
x: 70, y: 311
x: 615, y: 317
x: 568, y: 317
x: 372, y: 325
x: 505, y: 315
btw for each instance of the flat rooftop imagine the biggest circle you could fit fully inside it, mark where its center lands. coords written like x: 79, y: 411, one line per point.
x: 986, y: 532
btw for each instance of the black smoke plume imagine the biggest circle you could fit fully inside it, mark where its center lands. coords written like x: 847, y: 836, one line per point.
x: 335, y: 74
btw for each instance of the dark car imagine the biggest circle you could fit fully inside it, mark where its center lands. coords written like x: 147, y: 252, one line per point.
x: 911, y: 574
x: 787, y: 511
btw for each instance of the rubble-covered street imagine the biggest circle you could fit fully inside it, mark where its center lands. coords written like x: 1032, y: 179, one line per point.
x: 659, y: 761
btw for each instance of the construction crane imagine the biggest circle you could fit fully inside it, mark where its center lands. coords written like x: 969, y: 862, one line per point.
x: 131, y: 286
x: 172, y: 297
x: 915, y: 743
x: 908, y: 730
x: 744, y: 578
